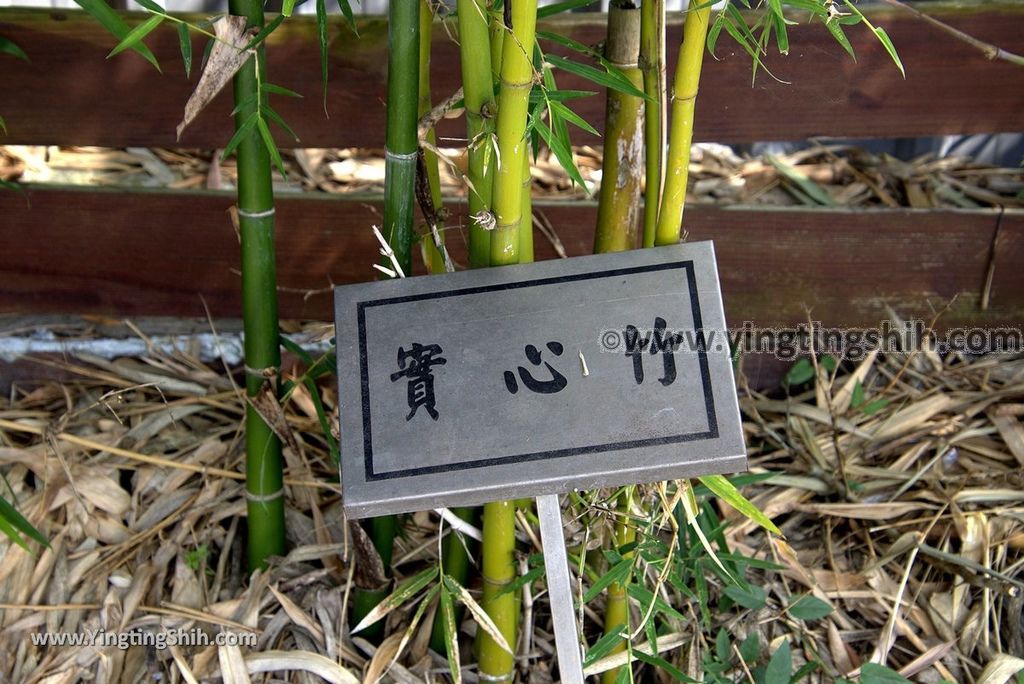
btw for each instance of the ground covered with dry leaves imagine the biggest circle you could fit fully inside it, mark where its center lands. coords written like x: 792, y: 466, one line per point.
x: 897, y: 485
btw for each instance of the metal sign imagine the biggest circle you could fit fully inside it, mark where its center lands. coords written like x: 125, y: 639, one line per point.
x: 500, y: 383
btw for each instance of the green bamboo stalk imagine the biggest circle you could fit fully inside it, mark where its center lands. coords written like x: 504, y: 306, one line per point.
x: 264, y: 475
x: 684, y: 99
x: 499, y: 570
x: 618, y: 208
x: 652, y: 63
x: 513, y: 104
x: 400, y: 148
x: 478, y: 95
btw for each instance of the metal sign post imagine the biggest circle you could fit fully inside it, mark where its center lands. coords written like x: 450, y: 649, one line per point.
x: 534, y: 380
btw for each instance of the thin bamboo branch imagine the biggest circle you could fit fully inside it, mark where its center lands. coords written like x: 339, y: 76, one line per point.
x: 652, y: 64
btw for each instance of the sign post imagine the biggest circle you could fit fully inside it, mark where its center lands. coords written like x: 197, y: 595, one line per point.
x: 535, y: 380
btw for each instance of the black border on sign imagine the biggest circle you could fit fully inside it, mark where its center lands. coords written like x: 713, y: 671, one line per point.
x: 698, y: 324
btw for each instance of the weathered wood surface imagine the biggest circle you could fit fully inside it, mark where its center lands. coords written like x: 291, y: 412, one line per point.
x: 159, y: 253
x: 71, y: 95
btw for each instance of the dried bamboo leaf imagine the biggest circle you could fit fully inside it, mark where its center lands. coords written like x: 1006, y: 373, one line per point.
x: 226, y: 58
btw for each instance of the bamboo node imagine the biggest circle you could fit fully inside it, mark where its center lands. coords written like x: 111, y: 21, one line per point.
x: 262, y: 373
x: 400, y: 155
x: 264, y: 498
x: 677, y: 98
x: 257, y: 214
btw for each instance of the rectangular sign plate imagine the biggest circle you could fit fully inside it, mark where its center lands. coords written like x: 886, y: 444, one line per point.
x: 500, y: 383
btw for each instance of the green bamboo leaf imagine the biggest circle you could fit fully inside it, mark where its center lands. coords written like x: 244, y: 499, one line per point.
x: 617, y: 575
x: 521, y: 581
x: 572, y: 117
x: 346, y: 9
x: 451, y: 636
x: 603, y: 647
x: 137, y: 34
x: 882, y: 36
x: 875, y: 406
x: 886, y: 42
x: 540, y: 95
x: 725, y: 491
x: 112, y: 21
x: 287, y: 7
x: 264, y: 32
x: 276, y: 118
x: 481, y: 616
x: 562, y: 152
x: 857, y: 396
x: 321, y: 32
x: 807, y: 607
x: 781, y: 37
x: 805, y: 184
x: 240, y: 134
x: 714, y: 32
x: 780, y: 666
x: 11, y: 533
x: 280, y: 90
x: 152, y: 6
x: 417, y: 616
x: 559, y: 7
x: 646, y: 598
x: 185, y: 43
x: 399, y: 596
x: 7, y: 46
x: 244, y: 104
x: 321, y: 416
x: 609, y: 79
x: 836, y: 29
x: 268, y: 140
x: 659, y: 662
x: 12, y: 517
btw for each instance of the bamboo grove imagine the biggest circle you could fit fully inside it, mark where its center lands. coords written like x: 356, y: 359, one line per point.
x: 512, y: 107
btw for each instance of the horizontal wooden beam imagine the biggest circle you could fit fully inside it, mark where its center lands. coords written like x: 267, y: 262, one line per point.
x: 149, y: 253
x: 69, y: 94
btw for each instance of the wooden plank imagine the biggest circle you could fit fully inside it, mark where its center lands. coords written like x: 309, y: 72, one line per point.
x: 71, y: 95
x: 158, y: 253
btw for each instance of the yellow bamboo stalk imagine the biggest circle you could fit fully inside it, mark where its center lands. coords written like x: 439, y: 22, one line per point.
x: 684, y: 99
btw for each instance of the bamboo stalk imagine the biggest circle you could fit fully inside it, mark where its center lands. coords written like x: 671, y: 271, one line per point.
x: 652, y: 64
x: 618, y: 208
x: 684, y: 99
x: 264, y: 474
x: 513, y: 104
x: 616, y: 615
x: 401, y: 148
x: 516, y: 79
x: 478, y: 95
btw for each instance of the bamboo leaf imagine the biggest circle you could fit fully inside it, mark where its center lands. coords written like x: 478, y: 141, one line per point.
x: 185, y: 44
x: 805, y: 184
x: 227, y: 56
x: 689, y: 503
x: 725, y: 491
x: 559, y: 7
x: 572, y: 117
x: 420, y: 610
x: 521, y: 581
x: 562, y: 152
x: 268, y: 140
x: 608, y: 79
x: 617, y: 574
x: 659, y: 662
x: 451, y: 637
x: 112, y: 21
x: 346, y: 9
x: 886, y: 42
x: 403, y: 593
x: 7, y: 46
x: 11, y: 533
x: 276, y: 118
x: 836, y: 29
x: 280, y: 90
x: 647, y: 598
x: 11, y: 516
x: 264, y: 32
x: 873, y: 673
x: 751, y: 597
x: 287, y: 7
x: 321, y: 32
x: 481, y: 616
x: 136, y: 35
x: 247, y: 102
x: 603, y: 647
x: 152, y: 6
x: 239, y: 135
